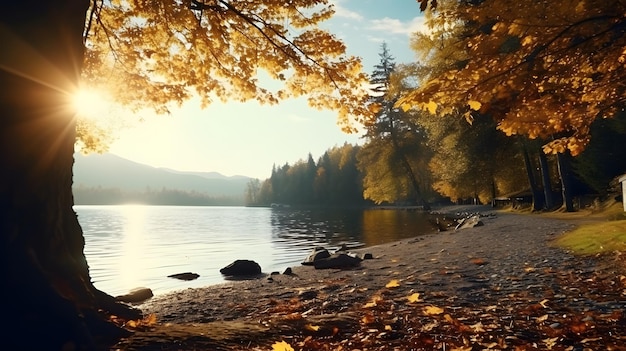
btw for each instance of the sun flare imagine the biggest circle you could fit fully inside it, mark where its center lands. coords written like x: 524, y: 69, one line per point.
x: 91, y: 104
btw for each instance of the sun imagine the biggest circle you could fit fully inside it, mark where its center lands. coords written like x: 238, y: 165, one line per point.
x: 91, y: 104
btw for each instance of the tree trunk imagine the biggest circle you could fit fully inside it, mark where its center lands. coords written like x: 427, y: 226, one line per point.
x: 547, y: 184
x: 563, y: 163
x: 50, y: 301
x: 537, y: 205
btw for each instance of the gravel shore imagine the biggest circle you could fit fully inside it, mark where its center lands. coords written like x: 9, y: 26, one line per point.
x: 500, y: 268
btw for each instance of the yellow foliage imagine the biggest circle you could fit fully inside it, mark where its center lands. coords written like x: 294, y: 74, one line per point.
x: 474, y: 105
x: 281, y: 346
x: 312, y: 327
x: 154, y: 54
x: 392, y: 284
x: 532, y: 73
x: 414, y: 298
x: 432, y: 310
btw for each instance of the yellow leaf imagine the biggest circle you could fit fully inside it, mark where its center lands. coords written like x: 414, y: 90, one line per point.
x: 375, y: 300
x: 312, y: 327
x: 542, y: 318
x: 388, y: 327
x: 432, y: 310
x: 543, y: 303
x: 432, y: 107
x: 281, y: 346
x: 474, y: 105
x: 392, y: 284
x: 414, y: 298
x: 406, y: 106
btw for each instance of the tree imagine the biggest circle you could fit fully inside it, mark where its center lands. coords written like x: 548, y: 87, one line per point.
x: 158, y: 52
x: 544, y: 70
x: 391, y: 157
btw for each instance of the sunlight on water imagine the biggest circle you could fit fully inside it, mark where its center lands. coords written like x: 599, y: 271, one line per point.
x: 131, y: 262
x: 134, y: 245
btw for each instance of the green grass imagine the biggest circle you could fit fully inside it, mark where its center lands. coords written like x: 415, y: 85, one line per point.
x: 599, y: 230
x: 596, y: 237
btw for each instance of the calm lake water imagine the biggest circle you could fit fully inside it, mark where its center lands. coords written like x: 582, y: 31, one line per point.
x: 134, y: 245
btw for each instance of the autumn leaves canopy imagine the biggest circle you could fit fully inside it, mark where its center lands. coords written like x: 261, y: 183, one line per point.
x: 167, y: 51
x: 542, y: 69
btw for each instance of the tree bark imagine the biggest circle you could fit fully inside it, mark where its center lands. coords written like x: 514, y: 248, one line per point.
x: 563, y: 163
x: 50, y: 301
x: 547, y: 184
x: 537, y: 205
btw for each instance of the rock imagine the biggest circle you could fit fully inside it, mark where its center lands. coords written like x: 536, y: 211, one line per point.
x: 184, y: 276
x: 136, y: 295
x: 368, y: 256
x: 241, y: 268
x: 469, y: 222
x: 337, y: 261
x: 342, y: 248
x: 317, y: 254
x: 288, y: 271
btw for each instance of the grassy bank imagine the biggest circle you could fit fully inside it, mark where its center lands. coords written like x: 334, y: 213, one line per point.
x: 599, y: 230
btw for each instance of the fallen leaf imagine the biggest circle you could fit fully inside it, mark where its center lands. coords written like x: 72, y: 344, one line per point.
x: 375, y: 300
x: 312, y: 327
x: 388, y: 327
x: 542, y: 318
x: 433, y: 310
x: 478, y: 261
x: 392, y: 284
x: 550, y: 342
x: 281, y: 346
x: 414, y: 298
x: 477, y: 328
x: 543, y: 303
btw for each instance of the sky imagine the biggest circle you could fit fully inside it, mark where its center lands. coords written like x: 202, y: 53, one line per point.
x: 247, y: 138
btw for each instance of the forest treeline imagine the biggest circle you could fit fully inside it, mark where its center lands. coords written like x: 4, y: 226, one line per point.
x: 414, y: 158
x: 84, y: 195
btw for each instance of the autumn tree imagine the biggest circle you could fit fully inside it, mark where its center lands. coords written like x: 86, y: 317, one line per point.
x: 542, y: 69
x: 145, y: 54
x: 393, y: 154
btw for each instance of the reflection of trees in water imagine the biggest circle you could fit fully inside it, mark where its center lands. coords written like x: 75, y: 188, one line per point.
x: 355, y: 227
x: 322, y: 226
x: 383, y: 226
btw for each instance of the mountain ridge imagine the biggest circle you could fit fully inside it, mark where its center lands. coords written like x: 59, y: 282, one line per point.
x: 111, y: 171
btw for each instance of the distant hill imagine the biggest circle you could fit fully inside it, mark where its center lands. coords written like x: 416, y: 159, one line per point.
x: 109, y: 171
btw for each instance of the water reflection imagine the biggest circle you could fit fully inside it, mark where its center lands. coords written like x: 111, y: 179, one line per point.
x: 356, y: 227
x: 131, y: 246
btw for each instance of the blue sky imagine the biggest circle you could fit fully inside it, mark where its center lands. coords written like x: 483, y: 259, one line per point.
x: 247, y: 138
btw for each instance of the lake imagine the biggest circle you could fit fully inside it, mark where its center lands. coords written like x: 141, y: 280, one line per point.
x: 133, y: 246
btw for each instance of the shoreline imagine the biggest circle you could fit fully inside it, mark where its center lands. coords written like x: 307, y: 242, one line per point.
x: 498, y: 268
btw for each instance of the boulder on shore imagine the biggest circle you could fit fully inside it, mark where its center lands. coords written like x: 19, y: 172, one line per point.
x: 241, y: 268
x: 136, y: 295
x: 317, y: 254
x: 337, y: 261
x: 184, y: 276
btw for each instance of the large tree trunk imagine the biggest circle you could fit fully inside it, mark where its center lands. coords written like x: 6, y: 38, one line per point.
x: 49, y: 299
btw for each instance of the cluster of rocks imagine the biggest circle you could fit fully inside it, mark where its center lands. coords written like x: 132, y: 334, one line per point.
x: 320, y: 258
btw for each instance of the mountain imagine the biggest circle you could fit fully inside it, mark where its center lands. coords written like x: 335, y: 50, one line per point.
x: 113, y: 172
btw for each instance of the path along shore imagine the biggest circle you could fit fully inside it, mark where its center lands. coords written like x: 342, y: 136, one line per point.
x: 497, y: 286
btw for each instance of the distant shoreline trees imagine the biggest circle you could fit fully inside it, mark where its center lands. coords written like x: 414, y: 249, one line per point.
x: 84, y: 195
